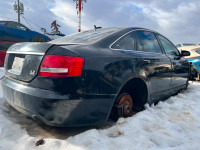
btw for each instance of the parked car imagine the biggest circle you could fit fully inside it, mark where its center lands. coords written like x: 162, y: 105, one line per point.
x: 194, y: 58
x: 81, y: 79
x: 185, y: 44
x: 16, y: 32
x: 3, y: 48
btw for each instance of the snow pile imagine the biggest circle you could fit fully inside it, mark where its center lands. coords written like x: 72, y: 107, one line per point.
x: 172, y: 125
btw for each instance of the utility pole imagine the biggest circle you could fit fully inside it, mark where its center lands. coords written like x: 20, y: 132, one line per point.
x: 19, y: 8
x: 79, y: 7
x: 18, y: 11
x: 79, y: 16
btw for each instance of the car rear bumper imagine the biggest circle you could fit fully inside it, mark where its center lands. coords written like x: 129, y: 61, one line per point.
x: 55, y: 109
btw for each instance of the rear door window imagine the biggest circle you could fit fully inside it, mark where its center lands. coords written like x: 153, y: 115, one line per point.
x: 147, y: 42
x: 125, y: 43
x: 168, y: 47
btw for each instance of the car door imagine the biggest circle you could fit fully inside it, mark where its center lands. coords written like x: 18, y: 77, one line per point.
x: 156, y: 66
x: 16, y: 32
x: 180, y: 65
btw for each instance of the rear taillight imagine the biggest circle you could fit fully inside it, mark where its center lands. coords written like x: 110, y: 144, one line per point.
x: 2, y: 58
x: 61, y: 66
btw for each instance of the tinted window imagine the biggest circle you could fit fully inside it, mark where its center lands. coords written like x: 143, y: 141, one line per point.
x: 146, y: 41
x: 168, y: 46
x: 127, y: 42
x: 86, y: 36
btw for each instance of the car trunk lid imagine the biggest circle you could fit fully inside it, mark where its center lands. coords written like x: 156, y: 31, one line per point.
x: 23, y: 60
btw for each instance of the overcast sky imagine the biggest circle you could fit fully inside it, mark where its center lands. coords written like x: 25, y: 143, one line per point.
x: 176, y: 19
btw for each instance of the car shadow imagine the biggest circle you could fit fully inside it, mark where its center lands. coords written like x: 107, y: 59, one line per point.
x: 39, y: 130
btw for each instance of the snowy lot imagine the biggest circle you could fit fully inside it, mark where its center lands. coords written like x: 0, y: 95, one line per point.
x: 170, y: 125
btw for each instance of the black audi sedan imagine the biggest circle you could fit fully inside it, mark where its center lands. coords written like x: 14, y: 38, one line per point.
x: 82, y: 78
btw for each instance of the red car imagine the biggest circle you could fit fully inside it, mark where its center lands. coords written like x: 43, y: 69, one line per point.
x: 3, y: 48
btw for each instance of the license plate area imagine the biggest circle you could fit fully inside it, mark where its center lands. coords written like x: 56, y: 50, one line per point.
x: 17, y: 65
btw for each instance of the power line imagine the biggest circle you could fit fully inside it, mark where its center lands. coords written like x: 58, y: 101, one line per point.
x: 27, y: 22
x: 32, y: 22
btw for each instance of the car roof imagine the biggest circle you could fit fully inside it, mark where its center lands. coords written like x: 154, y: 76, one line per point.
x: 116, y: 30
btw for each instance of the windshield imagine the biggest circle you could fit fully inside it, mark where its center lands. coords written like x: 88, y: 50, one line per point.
x: 85, y: 37
x: 188, y: 44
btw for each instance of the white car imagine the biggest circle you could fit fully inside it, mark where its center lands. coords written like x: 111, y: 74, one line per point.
x: 194, y: 50
x: 194, y: 58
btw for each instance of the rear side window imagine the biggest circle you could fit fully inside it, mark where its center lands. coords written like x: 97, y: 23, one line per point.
x: 168, y: 46
x: 147, y: 42
x: 126, y: 43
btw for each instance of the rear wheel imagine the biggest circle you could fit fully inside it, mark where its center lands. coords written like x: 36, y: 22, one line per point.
x: 38, y: 38
x: 124, y: 106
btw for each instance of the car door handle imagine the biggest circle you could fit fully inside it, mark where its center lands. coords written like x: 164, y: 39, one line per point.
x: 146, y: 61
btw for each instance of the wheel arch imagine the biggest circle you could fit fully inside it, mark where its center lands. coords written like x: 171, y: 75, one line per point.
x: 137, y: 88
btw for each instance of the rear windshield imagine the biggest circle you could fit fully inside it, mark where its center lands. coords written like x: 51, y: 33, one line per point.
x: 2, y: 23
x: 85, y: 37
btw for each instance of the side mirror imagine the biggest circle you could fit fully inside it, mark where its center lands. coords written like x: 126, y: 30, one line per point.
x: 185, y: 53
x: 27, y: 30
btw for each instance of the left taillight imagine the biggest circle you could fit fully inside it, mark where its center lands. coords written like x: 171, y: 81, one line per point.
x: 61, y: 66
x: 2, y: 58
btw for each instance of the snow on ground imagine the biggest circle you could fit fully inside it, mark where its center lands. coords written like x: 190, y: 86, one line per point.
x: 170, y: 125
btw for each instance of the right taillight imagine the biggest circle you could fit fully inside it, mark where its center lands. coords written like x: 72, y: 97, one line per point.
x: 61, y: 66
